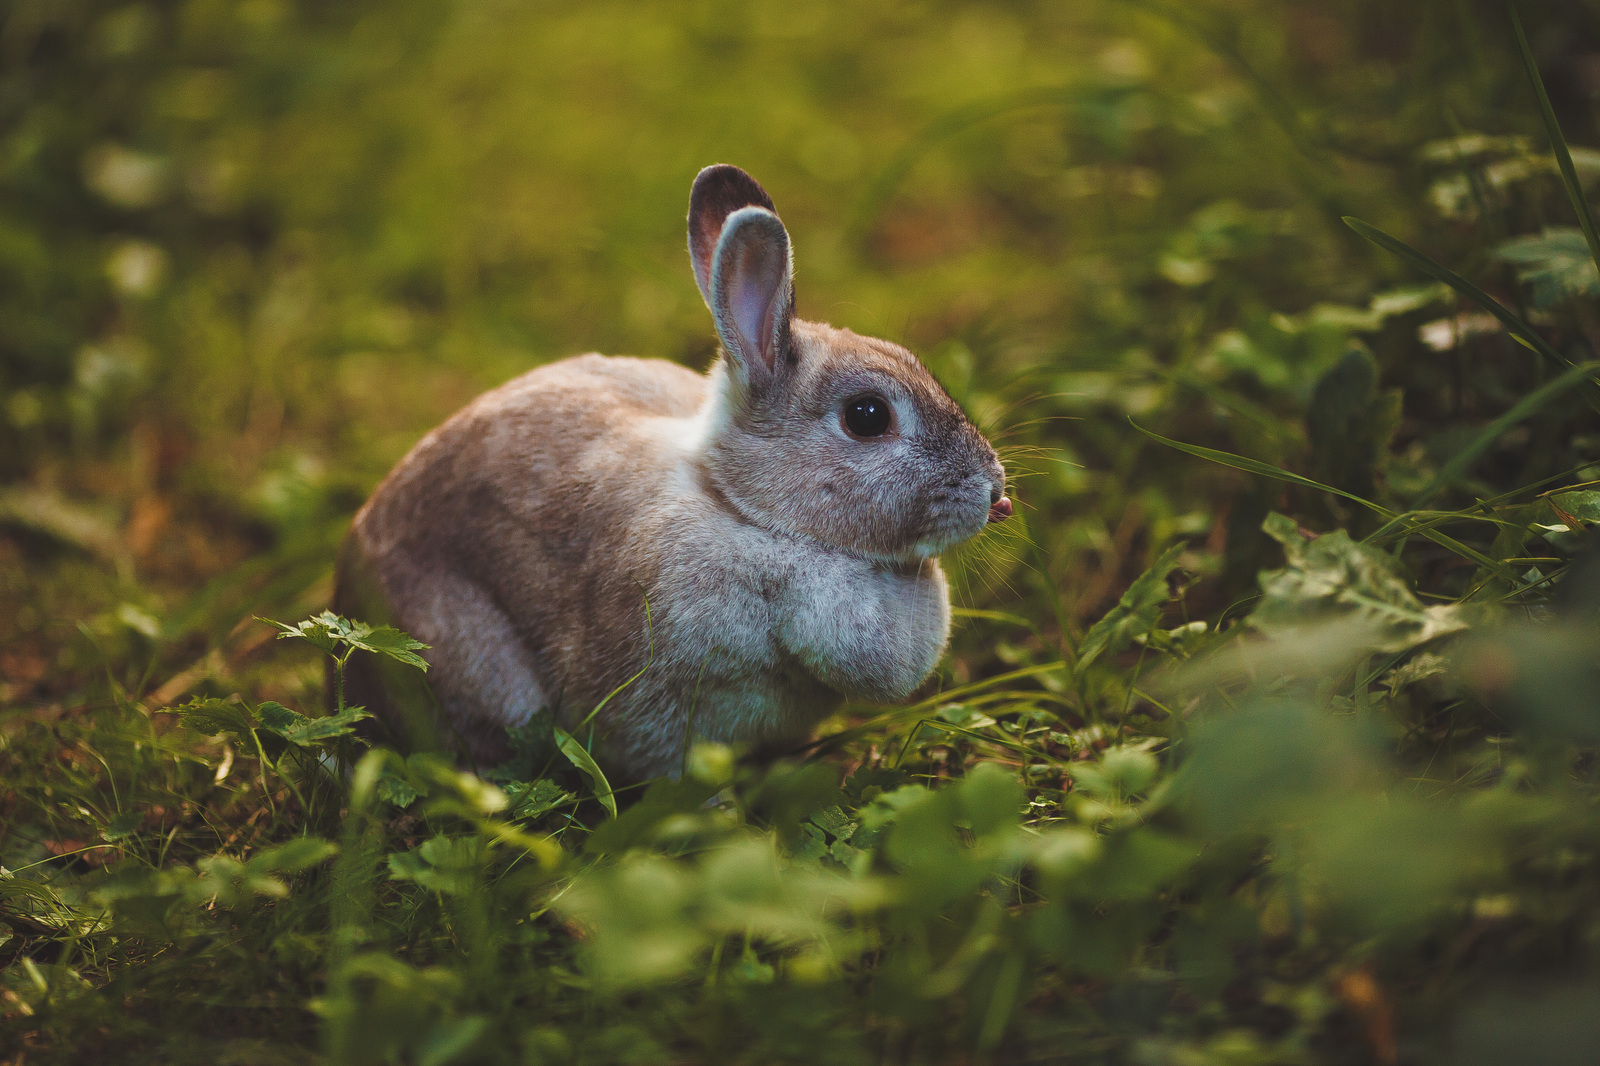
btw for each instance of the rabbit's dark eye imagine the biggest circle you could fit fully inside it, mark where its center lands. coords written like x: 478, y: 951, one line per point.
x: 867, y: 416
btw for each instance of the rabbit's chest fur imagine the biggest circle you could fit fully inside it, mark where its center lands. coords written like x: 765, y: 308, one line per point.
x: 570, y: 516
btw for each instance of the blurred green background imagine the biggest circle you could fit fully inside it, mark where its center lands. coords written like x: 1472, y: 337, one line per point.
x: 250, y: 251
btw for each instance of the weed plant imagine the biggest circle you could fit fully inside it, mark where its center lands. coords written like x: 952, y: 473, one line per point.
x: 1269, y: 730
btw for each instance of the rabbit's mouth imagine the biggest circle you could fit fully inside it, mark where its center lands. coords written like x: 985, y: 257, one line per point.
x: 948, y: 527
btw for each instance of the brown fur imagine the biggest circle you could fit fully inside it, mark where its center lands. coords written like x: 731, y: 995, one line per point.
x: 600, y: 514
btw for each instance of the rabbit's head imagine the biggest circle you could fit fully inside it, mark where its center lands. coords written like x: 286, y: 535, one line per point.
x: 815, y: 431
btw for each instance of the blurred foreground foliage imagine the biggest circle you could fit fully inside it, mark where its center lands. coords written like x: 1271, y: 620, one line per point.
x: 1269, y: 731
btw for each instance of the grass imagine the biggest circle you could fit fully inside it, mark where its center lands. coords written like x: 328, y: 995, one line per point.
x: 1267, y: 734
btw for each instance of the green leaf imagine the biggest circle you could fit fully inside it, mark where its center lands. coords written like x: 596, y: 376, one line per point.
x: 664, y: 802
x: 122, y: 825
x: 451, y: 865
x: 1582, y: 504
x: 322, y: 632
x: 328, y: 632
x: 213, y: 716
x: 1555, y: 263
x: 1558, y: 142
x: 278, y: 718
x: 395, y: 789
x: 531, y: 799
x: 389, y: 642
x: 991, y: 800
x: 1332, y: 578
x: 1140, y: 864
x: 1135, y: 614
x: 297, y: 729
x: 293, y: 856
x: 449, y: 1040
x: 532, y: 748
x: 1408, y: 298
x: 1350, y: 423
x: 579, y: 756
x: 834, y: 821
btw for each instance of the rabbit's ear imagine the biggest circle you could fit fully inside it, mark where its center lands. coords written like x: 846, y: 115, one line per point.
x: 752, y: 291
x: 718, y: 192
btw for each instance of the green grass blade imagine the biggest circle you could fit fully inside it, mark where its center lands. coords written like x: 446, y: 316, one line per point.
x: 1397, y: 526
x: 1558, y: 142
x: 1439, y: 272
x: 990, y: 616
x: 1528, y: 405
x: 1410, y: 523
x: 977, y: 686
x: 579, y: 756
x: 922, y: 707
x: 1253, y: 466
x: 649, y: 660
x: 1003, y: 617
x: 1513, y: 322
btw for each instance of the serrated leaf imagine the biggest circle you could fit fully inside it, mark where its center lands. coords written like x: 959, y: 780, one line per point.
x: 296, y: 728
x: 278, y: 718
x: 579, y: 756
x: 531, y: 799
x: 835, y: 822
x: 213, y: 716
x: 1332, y: 578
x: 334, y: 725
x: 388, y: 641
x: 532, y: 747
x: 327, y: 631
x: 322, y: 632
x: 392, y: 788
x: 1135, y: 614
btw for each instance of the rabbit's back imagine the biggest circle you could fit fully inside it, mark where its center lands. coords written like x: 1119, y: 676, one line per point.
x: 497, y: 539
x: 522, y: 451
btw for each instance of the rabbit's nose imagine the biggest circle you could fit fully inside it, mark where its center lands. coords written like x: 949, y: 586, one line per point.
x: 1000, y: 509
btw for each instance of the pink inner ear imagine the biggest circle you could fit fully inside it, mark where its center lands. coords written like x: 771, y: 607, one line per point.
x: 754, y: 279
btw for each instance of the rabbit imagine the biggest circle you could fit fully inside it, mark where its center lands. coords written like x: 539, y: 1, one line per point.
x: 728, y: 555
